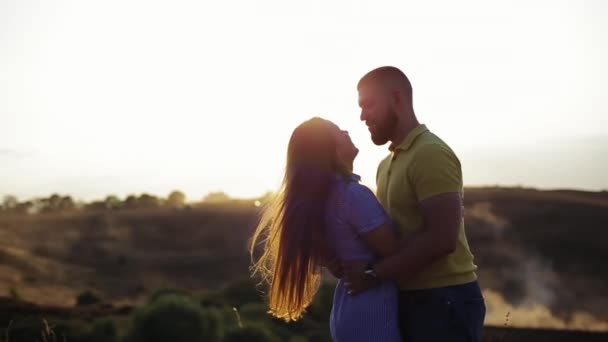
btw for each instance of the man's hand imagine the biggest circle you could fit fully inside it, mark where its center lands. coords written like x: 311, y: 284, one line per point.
x: 334, y: 267
x: 355, y: 279
x: 330, y: 260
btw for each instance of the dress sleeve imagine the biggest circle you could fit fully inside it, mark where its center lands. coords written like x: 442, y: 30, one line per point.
x: 363, y: 210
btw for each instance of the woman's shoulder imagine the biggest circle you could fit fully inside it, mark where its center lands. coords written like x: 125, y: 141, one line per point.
x: 355, y: 190
x: 349, y: 188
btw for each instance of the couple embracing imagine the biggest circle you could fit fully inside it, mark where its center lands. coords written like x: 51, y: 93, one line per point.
x: 405, y: 269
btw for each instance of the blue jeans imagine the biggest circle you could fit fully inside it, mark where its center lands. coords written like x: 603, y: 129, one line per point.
x: 453, y: 313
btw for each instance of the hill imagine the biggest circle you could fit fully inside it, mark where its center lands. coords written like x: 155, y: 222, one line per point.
x: 540, y: 253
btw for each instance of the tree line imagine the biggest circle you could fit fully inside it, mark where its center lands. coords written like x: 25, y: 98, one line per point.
x: 65, y: 203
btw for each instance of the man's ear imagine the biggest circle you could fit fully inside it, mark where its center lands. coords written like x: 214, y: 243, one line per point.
x: 396, y: 99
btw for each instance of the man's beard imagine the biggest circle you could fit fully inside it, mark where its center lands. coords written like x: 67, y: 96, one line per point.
x: 385, y: 130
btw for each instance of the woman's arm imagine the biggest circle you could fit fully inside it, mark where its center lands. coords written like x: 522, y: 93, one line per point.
x: 365, y: 214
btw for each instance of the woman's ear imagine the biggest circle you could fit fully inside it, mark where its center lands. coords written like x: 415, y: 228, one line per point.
x: 340, y: 157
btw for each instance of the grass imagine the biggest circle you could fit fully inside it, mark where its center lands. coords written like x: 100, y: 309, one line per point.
x: 247, y: 318
x: 47, y: 334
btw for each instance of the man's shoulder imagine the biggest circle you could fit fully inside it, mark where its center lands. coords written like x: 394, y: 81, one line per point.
x: 384, y: 162
x: 429, y: 137
x: 430, y: 143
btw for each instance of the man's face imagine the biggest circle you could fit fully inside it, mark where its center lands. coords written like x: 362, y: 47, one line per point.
x: 377, y: 113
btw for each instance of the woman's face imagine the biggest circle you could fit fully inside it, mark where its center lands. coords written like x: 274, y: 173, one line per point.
x: 345, y: 149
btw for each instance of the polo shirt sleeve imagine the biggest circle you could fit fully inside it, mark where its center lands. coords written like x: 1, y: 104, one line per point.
x: 363, y: 210
x: 435, y: 169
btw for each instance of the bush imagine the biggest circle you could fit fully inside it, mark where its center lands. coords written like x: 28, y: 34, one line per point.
x: 321, y: 335
x: 242, y: 292
x: 37, y: 329
x: 212, y: 299
x: 102, y: 330
x: 14, y: 294
x: 256, y: 314
x: 26, y: 329
x: 249, y: 333
x: 320, y: 309
x: 254, y: 311
x: 87, y: 298
x: 68, y: 330
x: 298, y: 338
x: 174, y: 318
x: 167, y: 291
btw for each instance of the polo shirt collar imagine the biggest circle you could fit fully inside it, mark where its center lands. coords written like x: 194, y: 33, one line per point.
x: 409, y: 139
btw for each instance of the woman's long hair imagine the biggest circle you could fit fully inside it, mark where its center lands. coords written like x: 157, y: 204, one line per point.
x: 292, y: 227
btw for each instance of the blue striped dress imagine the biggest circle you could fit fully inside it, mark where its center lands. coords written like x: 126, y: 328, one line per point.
x: 352, y: 210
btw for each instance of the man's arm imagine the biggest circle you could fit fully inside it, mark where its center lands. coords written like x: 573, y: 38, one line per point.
x: 334, y: 267
x: 436, y: 178
x: 438, y: 237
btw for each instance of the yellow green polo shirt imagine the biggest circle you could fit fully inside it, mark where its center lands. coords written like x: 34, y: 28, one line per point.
x: 420, y: 167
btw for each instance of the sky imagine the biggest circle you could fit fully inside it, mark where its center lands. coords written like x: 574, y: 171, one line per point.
x: 122, y: 97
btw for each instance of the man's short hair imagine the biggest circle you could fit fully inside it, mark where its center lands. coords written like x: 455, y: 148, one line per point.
x: 387, y: 76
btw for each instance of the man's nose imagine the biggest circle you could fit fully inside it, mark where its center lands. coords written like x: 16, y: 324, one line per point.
x: 362, y: 117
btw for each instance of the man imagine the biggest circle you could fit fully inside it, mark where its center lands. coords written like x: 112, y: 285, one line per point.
x: 420, y: 185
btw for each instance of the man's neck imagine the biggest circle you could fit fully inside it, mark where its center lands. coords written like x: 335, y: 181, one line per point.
x: 403, y: 129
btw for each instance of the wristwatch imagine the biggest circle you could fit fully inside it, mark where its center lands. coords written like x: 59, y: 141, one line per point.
x: 370, y: 272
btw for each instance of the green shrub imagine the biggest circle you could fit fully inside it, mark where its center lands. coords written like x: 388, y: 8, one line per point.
x: 87, y: 298
x: 212, y: 299
x: 174, y: 318
x: 38, y: 329
x: 167, y: 291
x: 320, y: 309
x: 13, y: 293
x: 249, y: 333
x: 242, y: 292
x: 298, y: 338
x: 68, y: 330
x: 26, y: 329
x: 102, y: 330
x: 254, y: 311
x: 321, y: 335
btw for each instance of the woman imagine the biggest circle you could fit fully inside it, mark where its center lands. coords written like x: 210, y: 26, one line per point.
x: 322, y: 213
